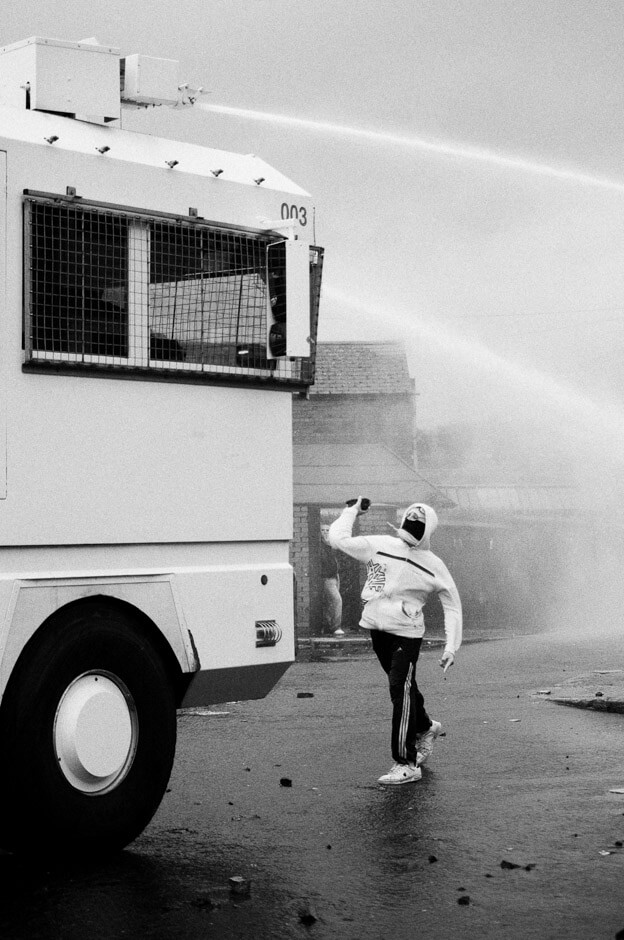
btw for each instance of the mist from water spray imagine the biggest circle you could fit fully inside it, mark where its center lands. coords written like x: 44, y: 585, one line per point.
x: 571, y: 607
x: 600, y: 421
x: 422, y: 144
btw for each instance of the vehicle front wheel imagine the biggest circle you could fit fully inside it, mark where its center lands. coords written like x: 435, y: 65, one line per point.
x: 88, y: 735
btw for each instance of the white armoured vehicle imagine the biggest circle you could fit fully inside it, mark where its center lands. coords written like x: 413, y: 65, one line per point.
x: 159, y: 303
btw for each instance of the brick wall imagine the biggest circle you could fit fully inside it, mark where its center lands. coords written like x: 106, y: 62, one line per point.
x: 361, y: 368
x: 300, y: 560
x: 341, y: 418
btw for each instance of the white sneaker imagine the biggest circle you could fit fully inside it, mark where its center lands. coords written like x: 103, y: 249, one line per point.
x: 339, y: 632
x: 401, y: 773
x: 425, y: 743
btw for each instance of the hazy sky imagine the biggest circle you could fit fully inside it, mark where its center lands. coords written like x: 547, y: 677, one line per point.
x: 504, y: 282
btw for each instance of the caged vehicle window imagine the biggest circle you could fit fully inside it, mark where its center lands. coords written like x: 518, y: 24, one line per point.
x: 207, y: 297
x: 78, y: 276
x: 113, y: 288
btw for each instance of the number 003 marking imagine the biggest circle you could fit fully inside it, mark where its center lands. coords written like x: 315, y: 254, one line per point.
x: 295, y: 212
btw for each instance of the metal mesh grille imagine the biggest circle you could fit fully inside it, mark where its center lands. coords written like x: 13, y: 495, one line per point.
x: 78, y: 273
x: 207, y: 297
x: 107, y: 288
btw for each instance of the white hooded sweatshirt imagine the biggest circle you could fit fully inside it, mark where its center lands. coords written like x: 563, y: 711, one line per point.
x: 401, y: 573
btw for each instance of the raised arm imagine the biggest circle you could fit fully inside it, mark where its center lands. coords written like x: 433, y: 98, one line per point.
x: 340, y: 535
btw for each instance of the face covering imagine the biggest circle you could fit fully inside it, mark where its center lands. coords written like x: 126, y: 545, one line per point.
x: 414, y: 522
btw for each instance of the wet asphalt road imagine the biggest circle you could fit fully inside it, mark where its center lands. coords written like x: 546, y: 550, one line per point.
x: 516, y: 781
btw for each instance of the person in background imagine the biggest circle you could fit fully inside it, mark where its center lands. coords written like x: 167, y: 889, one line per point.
x: 402, y: 572
x: 332, y: 599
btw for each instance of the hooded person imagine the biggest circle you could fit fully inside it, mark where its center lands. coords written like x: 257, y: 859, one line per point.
x: 401, y: 574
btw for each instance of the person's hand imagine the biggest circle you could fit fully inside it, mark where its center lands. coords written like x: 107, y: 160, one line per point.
x: 357, y: 504
x: 447, y: 660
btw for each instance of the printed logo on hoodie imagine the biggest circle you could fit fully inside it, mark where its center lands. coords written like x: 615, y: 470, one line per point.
x: 375, y: 577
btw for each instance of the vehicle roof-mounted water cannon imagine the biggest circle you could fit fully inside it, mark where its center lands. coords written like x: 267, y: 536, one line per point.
x: 86, y: 80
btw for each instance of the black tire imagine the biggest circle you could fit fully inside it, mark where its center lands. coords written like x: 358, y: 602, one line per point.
x: 40, y: 808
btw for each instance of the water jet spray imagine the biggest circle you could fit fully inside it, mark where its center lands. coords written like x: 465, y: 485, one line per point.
x: 439, y: 148
x: 600, y: 418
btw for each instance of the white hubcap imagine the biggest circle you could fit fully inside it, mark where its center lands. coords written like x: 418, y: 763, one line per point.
x: 95, y: 732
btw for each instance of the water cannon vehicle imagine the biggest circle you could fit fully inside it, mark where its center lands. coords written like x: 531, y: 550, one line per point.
x: 160, y: 303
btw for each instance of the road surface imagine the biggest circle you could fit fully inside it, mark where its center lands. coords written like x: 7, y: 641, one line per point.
x: 512, y: 834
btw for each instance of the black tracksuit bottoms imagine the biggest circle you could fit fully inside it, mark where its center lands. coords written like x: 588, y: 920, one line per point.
x: 398, y: 656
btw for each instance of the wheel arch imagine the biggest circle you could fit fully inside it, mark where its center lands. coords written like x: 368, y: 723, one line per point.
x: 169, y: 637
x: 142, y: 622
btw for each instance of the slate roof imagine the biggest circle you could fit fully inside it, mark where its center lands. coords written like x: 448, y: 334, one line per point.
x: 361, y: 368
x: 502, y: 493
x: 329, y: 474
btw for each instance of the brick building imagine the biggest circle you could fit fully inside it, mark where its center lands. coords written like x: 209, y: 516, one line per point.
x: 362, y: 392
x: 353, y: 435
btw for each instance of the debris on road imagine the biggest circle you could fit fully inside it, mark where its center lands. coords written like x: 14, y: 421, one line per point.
x: 203, y: 902
x: 240, y: 886
x: 307, y: 913
x: 305, y: 694
x: 285, y: 782
x: 465, y: 899
x: 510, y: 865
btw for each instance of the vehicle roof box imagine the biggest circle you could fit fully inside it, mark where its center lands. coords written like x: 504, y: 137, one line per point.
x: 75, y: 78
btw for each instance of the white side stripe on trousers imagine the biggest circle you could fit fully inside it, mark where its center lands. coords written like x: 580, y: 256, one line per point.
x: 405, y: 714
